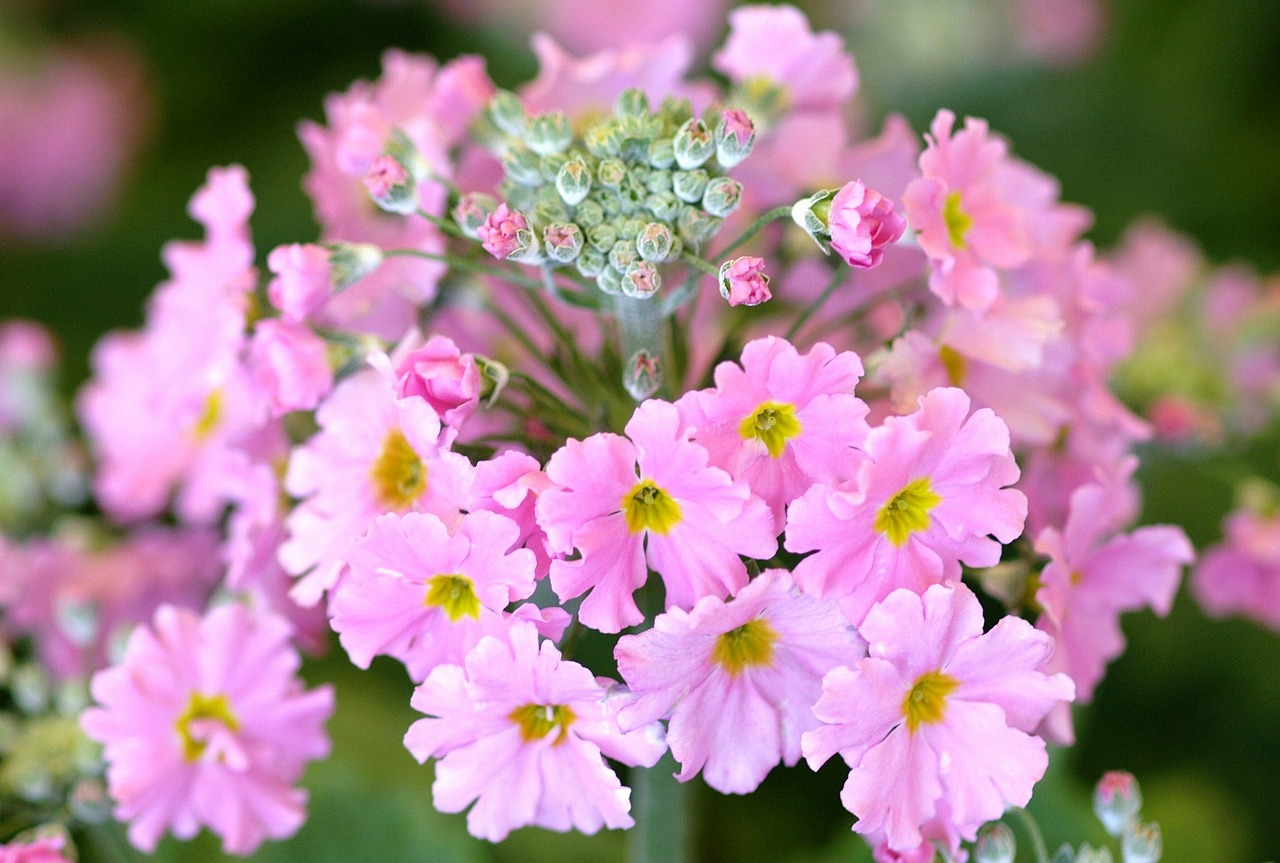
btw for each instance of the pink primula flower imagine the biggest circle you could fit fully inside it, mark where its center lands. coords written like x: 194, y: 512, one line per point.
x: 303, y: 279
x: 782, y: 421
x: 206, y: 723
x: 862, y: 223
x: 504, y: 232
x: 521, y: 734
x: 426, y: 595
x: 963, y: 210
x: 737, y: 679
x: 448, y: 379
x: 650, y: 501
x: 508, y: 484
x: 936, y: 721
x: 1242, y: 574
x: 291, y: 363
x: 932, y: 495
x: 743, y: 281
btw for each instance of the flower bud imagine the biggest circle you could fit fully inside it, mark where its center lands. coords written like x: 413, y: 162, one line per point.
x: 506, y: 233
x: 861, y: 222
x: 813, y: 214
x: 995, y: 844
x: 522, y: 166
x: 471, y: 211
x: 549, y: 208
x: 562, y: 241
x: 641, y: 279
x: 611, y: 173
x: 391, y: 186
x: 588, y: 214
x: 632, y: 103
x: 658, y: 181
x: 662, y: 153
x: 603, y: 237
x: 1141, y: 843
x: 351, y: 262
x: 693, y: 144
x: 654, y: 242
x: 743, y: 281
x: 722, y: 196
x: 623, y: 255
x: 493, y: 379
x: 665, y: 206
x: 1089, y: 854
x: 642, y: 376
x: 629, y: 228
x: 1064, y: 854
x: 604, y: 139
x: 610, y: 280
x: 443, y: 376
x: 591, y: 262
x: 696, y: 227
x: 735, y: 137
x: 549, y: 133
x: 508, y: 113
x: 1117, y: 800
x: 689, y: 185
x: 573, y: 181
x: 549, y: 166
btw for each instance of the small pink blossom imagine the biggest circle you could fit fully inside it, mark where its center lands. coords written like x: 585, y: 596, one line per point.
x: 743, y: 281
x: 446, y: 378
x: 385, y: 174
x: 936, y: 721
x: 736, y: 678
x: 520, y: 733
x: 1241, y: 575
x: 46, y: 850
x: 206, y: 723
x: 862, y: 223
x: 303, y: 279
x: 291, y: 363
x: 501, y: 232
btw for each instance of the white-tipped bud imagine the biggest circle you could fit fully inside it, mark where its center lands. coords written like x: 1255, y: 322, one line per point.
x: 549, y: 133
x: 591, y: 262
x: 689, y: 186
x: 1142, y: 843
x: 472, y: 210
x: 696, y: 227
x: 589, y: 213
x: 995, y: 844
x: 641, y: 279
x: 662, y: 153
x: 508, y: 113
x: 611, y: 173
x: 522, y: 166
x: 351, y: 262
x: 392, y: 186
x: 813, y: 214
x: 562, y: 241
x: 653, y: 242
x: 735, y: 137
x: 1117, y: 801
x: 693, y: 144
x: 722, y: 196
x: 573, y: 181
x: 642, y: 376
x: 632, y: 103
x: 1089, y: 854
x: 493, y: 379
x: 665, y: 206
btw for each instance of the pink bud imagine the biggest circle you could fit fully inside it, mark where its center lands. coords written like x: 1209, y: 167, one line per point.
x: 303, y: 279
x: 743, y: 281
x: 291, y: 363
x: 1117, y: 801
x: 501, y: 232
x: 448, y: 379
x: 390, y: 186
x: 862, y: 223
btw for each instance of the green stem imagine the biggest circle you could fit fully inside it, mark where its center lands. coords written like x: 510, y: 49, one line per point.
x: 469, y: 266
x: 837, y: 276
x: 444, y: 224
x: 756, y: 227
x: 1033, y: 830
x: 644, y: 357
x: 706, y: 266
x: 660, y: 805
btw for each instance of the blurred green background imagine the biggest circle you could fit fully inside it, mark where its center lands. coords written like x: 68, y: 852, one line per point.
x: 1177, y: 113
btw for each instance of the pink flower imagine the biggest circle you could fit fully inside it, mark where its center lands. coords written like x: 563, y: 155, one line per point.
x: 743, y: 281
x: 737, y: 679
x: 965, y: 212
x: 426, y: 595
x: 521, y: 734
x: 303, y: 279
x: 205, y: 723
x: 862, y: 223
x: 508, y: 484
x: 504, y: 232
x: 650, y: 501
x: 1242, y: 574
x: 782, y: 421
x: 937, y: 719
x: 291, y: 363
x: 932, y: 495
x: 46, y: 850
x: 442, y: 375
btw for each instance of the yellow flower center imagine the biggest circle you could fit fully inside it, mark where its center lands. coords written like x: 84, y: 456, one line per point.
x: 748, y: 646
x: 958, y: 222
x: 765, y: 100
x: 202, y: 706
x: 773, y: 424
x: 455, y: 594
x: 536, y: 721
x: 907, y: 511
x: 648, y: 507
x: 956, y: 365
x: 926, y: 703
x: 399, y: 476
x: 209, y: 417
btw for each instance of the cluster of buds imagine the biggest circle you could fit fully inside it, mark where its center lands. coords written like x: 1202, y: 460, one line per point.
x: 629, y: 194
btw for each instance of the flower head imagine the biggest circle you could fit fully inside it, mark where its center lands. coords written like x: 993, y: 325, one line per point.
x: 862, y: 222
x: 743, y: 281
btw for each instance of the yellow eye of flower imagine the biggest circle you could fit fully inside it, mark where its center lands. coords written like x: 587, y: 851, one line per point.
x: 958, y: 222
x: 455, y: 594
x: 748, y: 646
x: 649, y: 507
x: 536, y: 721
x: 773, y: 424
x: 926, y: 703
x: 201, y: 706
x: 399, y: 476
x: 907, y: 511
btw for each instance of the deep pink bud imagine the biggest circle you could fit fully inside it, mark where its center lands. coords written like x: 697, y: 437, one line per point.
x: 504, y: 232
x: 862, y: 223
x: 447, y: 378
x: 743, y: 282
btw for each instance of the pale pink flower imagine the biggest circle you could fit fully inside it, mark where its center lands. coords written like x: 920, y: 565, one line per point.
x: 1242, y: 574
x: 782, y: 420
x: 501, y: 233
x: 444, y: 376
x: 206, y: 723
x: 374, y: 453
x: 936, y: 721
x: 508, y: 484
x: 743, y: 281
x: 737, y: 679
x: 291, y: 363
x: 426, y: 595
x: 862, y: 223
x: 520, y: 733
x: 303, y: 279
x: 962, y: 208
x: 46, y: 850
x: 650, y: 501
x: 931, y: 495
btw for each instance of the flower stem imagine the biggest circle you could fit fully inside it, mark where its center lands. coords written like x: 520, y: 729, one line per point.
x: 644, y: 356
x: 1033, y: 830
x: 756, y: 227
x: 660, y: 804
x: 837, y: 276
x: 468, y: 266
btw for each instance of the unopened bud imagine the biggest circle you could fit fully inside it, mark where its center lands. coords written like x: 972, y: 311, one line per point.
x: 611, y: 173
x: 604, y: 139
x: 641, y: 279
x: 1142, y: 843
x: 743, y: 281
x: 493, y: 379
x: 658, y: 181
x: 689, y: 185
x: 642, y: 376
x: 591, y: 262
x: 603, y: 237
x: 1089, y: 854
x: 610, y: 280
x: 573, y: 181
x: 351, y: 262
x: 1064, y: 854
x: 549, y: 133
x: 1117, y: 800
x: 722, y: 196
x: 813, y: 214
x: 623, y: 255
x: 995, y: 844
x: 696, y: 227
x: 632, y: 103
x: 550, y: 165
x: 522, y: 166
x: 735, y: 137
x: 506, y: 234
x: 665, y: 206
x: 562, y: 241
x: 391, y: 186
x: 508, y: 113
x: 654, y: 242
x: 588, y: 214
x: 472, y: 209
x: 693, y: 144
x: 662, y: 153
x: 549, y: 208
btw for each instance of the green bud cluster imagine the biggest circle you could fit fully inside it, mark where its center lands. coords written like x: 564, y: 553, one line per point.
x: 623, y: 196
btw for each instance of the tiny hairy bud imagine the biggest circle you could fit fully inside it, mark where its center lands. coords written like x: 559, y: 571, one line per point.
x: 471, y: 211
x: 603, y: 237
x: 693, y: 144
x: 623, y: 255
x: 573, y: 181
x: 591, y: 262
x: 995, y: 844
x: 493, y: 379
x: 735, y: 137
x: 508, y: 113
x: 1142, y: 843
x: 813, y: 215
x: 588, y: 214
x: 723, y: 195
x: 632, y: 103
x: 664, y: 205
x: 662, y: 153
x: 522, y: 166
x: 642, y: 376
x: 696, y: 227
x: 549, y: 133
x: 1089, y: 854
x: 351, y: 262
x: 610, y: 280
x: 611, y: 173
x: 654, y: 242
x: 391, y: 186
x: 604, y: 139
x: 689, y: 186
x: 562, y: 241
x: 1117, y: 801
x: 641, y: 279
